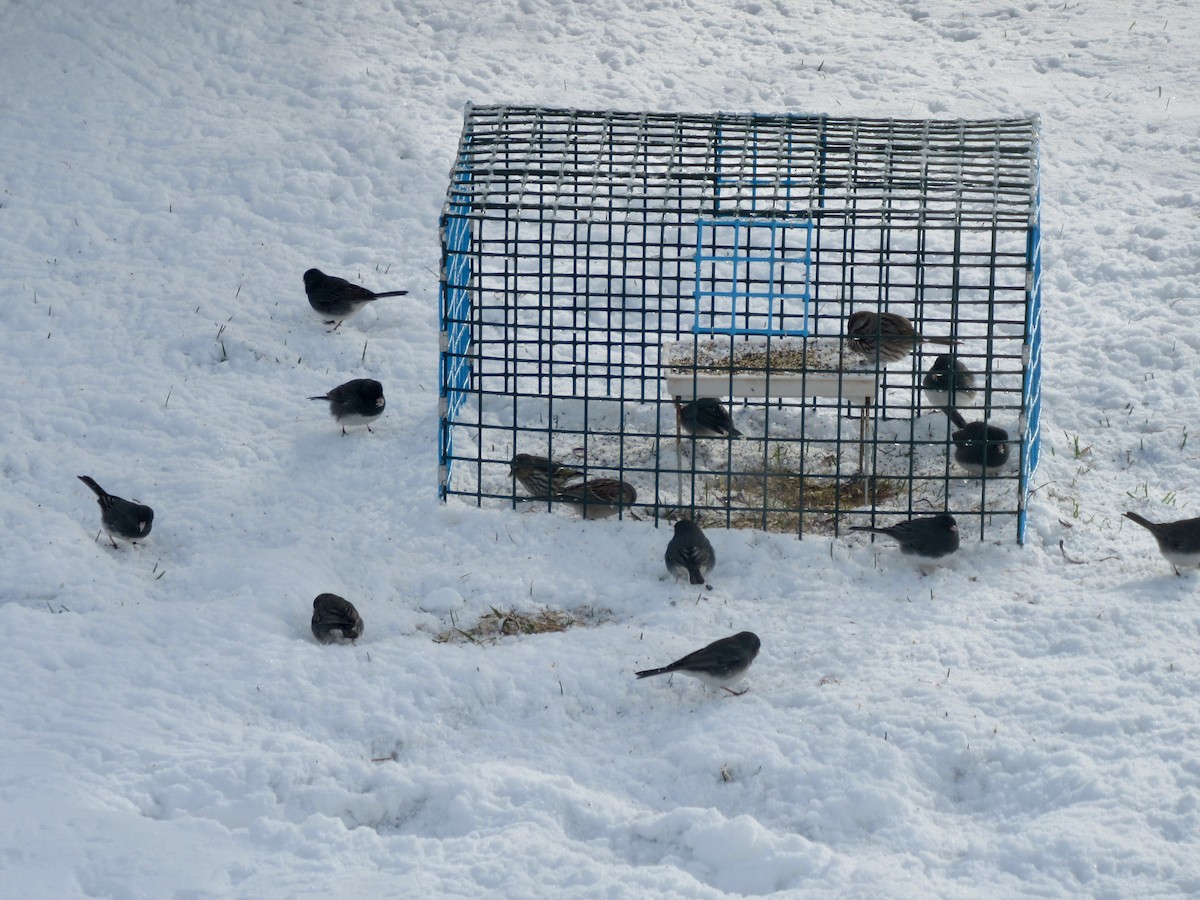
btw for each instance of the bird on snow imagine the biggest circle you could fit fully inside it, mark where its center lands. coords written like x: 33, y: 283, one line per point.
x: 1178, y: 542
x: 720, y: 665
x: 929, y: 537
x: 689, y: 553
x: 705, y: 417
x: 981, y: 449
x: 120, y: 518
x: 357, y: 402
x: 335, y: 619
x: 948, y: 385
x: 336, y: 299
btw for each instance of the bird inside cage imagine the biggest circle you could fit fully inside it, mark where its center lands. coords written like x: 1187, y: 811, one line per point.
x: 598, y: 498
x: 705, y: 417
x: 949, y: 384
x: 542, y: 476
x: 981, y: 449
x: 886, y: 337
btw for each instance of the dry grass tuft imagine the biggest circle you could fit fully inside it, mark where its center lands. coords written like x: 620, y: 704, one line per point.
x: 496, y: 624
x: 776, y: 499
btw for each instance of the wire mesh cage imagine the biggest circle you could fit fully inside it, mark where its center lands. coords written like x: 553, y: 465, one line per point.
x: 785, y: 322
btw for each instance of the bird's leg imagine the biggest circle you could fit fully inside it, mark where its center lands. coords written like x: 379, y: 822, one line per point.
x: 114, y: 543
x: 734, y: 693
x: 1178, y: 574
x: 343, y: 431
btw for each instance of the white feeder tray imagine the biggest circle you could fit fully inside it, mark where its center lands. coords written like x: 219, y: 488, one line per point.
x: 792, y: 367
x: 712, y: 368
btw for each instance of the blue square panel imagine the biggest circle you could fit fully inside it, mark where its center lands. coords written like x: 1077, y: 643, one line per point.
x: 753, y: 276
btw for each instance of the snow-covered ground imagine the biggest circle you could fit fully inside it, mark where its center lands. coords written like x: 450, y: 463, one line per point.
x: 1025, y: 721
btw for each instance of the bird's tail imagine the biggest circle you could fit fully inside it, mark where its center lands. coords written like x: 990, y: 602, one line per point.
x: 944, y: 341
x: 99, y: 491
x: 694, y: 575
x: 874, y: 529
x: 326, y: 397
x: 1145, y: 523
x: 646, y: 673
x: 955, y: 416
x: 391, y: 294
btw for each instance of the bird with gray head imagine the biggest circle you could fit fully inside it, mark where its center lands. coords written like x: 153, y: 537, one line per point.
x: 719, y: 666
x: 886, y: 337
x: 336, y: 299
x: 705, y: 417
x: 335, y: 619
x: 357, y: 402
x: 1178, y: 542
x: 689, y: 553
x: 981, y: 449
x: 120, y: 518
x: 948, y: 385
x: 929, y: 537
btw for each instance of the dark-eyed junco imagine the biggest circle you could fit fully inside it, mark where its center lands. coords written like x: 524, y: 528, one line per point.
x: 929, y: 537
x: 948, y: 385
x: 335, y: 619
x: 1178, y: 542
x: 598, y: 498
x: 886, y: 336
x: 721, y: 664
x: 705, y: 417
x: 357, y: 402
x: 121, y: 518
x: 336, y: 299
x: 981, y: 449
x: 689, y: 552
x: 541, y: 476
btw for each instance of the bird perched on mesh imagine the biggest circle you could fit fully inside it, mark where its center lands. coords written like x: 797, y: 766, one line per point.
x: 948, y: 385
x: 1178, y: 542
x: 121, y: 518
x: 335, y: 619
x: 357, y: 402
x: 981, y: 449
x: 720, y: 665
x: 886, y: 337
x: 689, y: 552
x: 598, y: 498
x: 336, y: 299
x: 929, y: 537
x: 540, y: 476
x: 705, y: 417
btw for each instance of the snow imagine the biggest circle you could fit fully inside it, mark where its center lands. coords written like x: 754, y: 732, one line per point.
x: 1021, y: 722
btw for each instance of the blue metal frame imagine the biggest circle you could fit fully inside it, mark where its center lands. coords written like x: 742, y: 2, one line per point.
x: 773, y: 258
x: 454, y: 310
x: 1032, y: 391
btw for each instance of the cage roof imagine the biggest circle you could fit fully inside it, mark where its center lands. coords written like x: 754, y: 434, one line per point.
x: 572, y: 165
